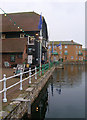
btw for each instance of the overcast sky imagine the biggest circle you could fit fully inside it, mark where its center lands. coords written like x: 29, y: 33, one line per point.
x: 65, y: 20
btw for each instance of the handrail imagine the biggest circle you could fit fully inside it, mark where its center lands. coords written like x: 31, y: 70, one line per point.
x: 36, y: 70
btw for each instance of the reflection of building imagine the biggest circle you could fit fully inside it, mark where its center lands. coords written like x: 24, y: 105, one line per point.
x: 66, y: 51
x: 17, y: 27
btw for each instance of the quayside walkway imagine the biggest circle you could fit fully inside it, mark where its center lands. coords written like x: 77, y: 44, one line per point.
x: 19, y: 90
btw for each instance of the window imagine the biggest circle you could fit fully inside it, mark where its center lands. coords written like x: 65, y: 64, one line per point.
x: 79, y: 52
x: 29, y: 50
x: 76, y: 46
x: 12, y: 58
x: 65, y: 46
x: 79, y: 47
x: 49, y: 47
x: 72, y: 57
x: 55, y: 46
x: 76, y: 58
x: 3, y: 36
x: 65, y: 58
x: 79, y: 58
x: 60, y: 47
x: 30, y: 40
x: 21, y: 35
x: 20, y: 56
x: 65, y: 51
x: 76, y: 52
x: 54, y: 58
x: 60, y: 52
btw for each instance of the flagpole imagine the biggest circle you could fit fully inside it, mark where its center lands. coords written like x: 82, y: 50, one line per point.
x: 40, y: 47
x: 40, y: 28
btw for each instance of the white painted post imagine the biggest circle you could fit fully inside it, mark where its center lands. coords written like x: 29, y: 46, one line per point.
x: 5, y: 99
x: 29, y: 75
x: 35, y: 72
x: 21, y: 80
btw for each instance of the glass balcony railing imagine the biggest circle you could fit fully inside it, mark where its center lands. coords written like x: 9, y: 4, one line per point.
x: 80, y: 53
x: 65, y: 53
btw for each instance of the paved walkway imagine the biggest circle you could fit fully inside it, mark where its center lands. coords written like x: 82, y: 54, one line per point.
x: 14, y: 92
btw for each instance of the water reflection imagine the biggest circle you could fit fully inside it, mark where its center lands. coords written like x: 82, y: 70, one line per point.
x: 39, y: 107
x: 63, y: 96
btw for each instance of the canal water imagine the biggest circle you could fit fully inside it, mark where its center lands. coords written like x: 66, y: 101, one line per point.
x: 63, y: 96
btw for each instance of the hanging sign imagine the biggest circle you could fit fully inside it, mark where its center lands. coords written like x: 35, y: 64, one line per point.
x: 30, y: 59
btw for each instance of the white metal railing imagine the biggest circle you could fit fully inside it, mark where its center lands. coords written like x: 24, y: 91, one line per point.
x: 30, y: 75
x: 4, y: 80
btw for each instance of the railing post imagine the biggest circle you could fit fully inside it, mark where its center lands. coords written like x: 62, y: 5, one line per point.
x: 29, y: 75
x: 40, y: 71
x: 5, y: 99
x: 21, y: 80
x: 35, y: 72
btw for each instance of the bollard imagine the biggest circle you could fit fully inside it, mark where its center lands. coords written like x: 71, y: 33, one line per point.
x: 35, y: 72
x: 21, y: 80
x: 5, y: 99
x: 29, y: 75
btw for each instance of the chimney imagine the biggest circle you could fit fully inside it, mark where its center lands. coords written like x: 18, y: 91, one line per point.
x: 71, y: 40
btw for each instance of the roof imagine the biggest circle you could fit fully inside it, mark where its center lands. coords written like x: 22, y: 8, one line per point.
x: 28, y: 21
x: 13, y: 45
x: 65, y: 42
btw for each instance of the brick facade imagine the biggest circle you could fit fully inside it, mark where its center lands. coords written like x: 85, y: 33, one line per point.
x: 68, y: 51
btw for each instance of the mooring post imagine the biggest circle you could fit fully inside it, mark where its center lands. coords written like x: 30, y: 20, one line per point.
x: 5, y: 99
x: 35, y: 72
x: 29, y: 75
x: 21, y: 80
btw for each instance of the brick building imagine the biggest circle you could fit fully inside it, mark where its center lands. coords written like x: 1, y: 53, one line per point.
x: 13, y: 51
x: 65, y: 51
x: 17, y: 29
x: 84, y: 51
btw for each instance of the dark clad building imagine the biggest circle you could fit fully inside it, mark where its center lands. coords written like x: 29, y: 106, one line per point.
x: 16, y: 27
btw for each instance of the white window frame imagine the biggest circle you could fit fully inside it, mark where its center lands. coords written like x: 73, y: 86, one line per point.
x: 30, y: 38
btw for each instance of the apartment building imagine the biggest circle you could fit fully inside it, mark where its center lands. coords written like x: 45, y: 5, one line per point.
x: 84, y: 51
x: 65, y: 51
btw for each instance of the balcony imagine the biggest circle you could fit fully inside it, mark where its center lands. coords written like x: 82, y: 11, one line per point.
x: 65, y: 53
x: 80, y: 54
x: 54, y: 53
